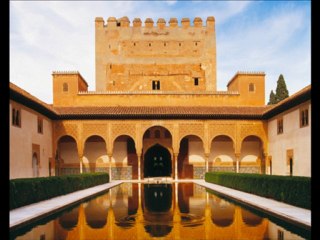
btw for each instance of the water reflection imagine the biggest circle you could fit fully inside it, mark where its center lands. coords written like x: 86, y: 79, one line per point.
x: 69, y: 220
x: 96, y: 212
x: 166, y: 211
x: 157, y: 209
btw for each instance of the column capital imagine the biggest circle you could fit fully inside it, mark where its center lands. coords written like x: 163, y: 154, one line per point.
x: 139, y: 152
x: 237, y: 154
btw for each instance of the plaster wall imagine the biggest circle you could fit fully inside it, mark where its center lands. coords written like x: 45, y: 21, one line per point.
x: 295, y: 138
x: 21, y: 141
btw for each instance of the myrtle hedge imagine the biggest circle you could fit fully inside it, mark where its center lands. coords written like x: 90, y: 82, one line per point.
x: 24, y: 191
x: 289, y: 189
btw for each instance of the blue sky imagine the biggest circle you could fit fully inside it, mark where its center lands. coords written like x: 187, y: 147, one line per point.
x: 269, y: 36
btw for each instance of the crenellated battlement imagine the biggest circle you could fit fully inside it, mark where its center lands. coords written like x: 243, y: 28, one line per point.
x: 161, y: 23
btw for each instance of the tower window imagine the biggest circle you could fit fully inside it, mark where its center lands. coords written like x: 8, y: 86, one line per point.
x: 149, y: 44
x: 155, y: 85
x: 179, y: 44
x: 165, y: 44
x: 196, y: 44
x: 251, y: 87
x: 134, y: 44
x: 65, y: 87
x: 196, y: 81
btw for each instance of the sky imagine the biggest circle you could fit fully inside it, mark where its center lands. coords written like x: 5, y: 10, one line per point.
x: 269, y: 36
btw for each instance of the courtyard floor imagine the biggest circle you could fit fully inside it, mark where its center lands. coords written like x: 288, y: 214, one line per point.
x: 25, y: 215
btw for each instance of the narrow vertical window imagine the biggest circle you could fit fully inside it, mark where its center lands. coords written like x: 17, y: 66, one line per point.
x: 291, y: 166
x: 18, y: 119
x: 40, y: 125
x: 251, y: 87
x: 196, y: 81
x: 65, y: 87
x: 304, y: 117
x: 280, y: 126
x: 280, y: 235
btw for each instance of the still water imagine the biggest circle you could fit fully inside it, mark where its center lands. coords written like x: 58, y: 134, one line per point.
x: 159, y: 211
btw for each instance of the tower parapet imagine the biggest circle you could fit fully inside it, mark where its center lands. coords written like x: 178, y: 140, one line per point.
x: 161, y: 22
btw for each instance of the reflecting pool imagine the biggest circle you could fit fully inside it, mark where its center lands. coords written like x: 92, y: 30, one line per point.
x: 159, y: 211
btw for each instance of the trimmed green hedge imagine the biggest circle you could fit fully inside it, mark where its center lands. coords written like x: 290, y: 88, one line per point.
x: 24, y: 191
x: 292, y: 190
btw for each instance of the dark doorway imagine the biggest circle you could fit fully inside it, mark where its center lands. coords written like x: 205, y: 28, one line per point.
x: 291, y: 166
x: 157, y: 162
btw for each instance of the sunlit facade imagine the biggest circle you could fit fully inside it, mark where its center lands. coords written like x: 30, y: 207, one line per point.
x: 156, y: 112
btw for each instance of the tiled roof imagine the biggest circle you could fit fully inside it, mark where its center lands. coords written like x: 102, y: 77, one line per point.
x: 192, y: 112
x: 19, y: 95
x: 162, y: 112
x: 295, y: 99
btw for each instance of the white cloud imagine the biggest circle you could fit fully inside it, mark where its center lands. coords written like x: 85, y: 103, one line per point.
x: 267, y: 46
x: 171, y: 2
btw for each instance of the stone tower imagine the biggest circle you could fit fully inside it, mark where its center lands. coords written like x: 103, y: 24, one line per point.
x: 155, y: 57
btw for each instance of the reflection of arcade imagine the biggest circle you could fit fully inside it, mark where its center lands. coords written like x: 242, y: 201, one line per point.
x: 174, y: 211
x: 158, y: 213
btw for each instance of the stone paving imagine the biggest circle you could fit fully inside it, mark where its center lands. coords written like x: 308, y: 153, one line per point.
x: 281, y: 210
x: 24, y: 215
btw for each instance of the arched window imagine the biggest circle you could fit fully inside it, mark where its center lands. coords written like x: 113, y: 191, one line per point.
x: 65, y: 87
x: 157, y: 133
x: 167, y: 134
x: 147, y: 134
x: 251, y: 87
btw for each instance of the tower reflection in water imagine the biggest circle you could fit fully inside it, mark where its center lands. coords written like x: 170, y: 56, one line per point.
x: 166, y: 211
